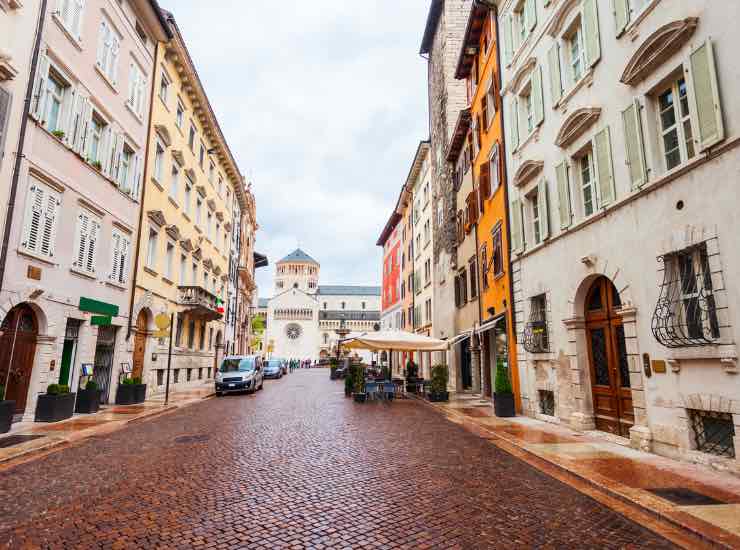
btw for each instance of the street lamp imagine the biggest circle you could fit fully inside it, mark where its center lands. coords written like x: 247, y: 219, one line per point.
x: 342, y: 332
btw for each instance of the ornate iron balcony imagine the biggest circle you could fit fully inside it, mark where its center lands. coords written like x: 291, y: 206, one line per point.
x: 198, y: 302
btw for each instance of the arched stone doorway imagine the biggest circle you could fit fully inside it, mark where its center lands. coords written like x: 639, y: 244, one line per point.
x: 608, y: 359
x: 17, y: 352
x: 139, y: 358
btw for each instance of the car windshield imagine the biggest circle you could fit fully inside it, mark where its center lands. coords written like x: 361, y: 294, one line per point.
x: 273, y: 364
x: 237, y: 365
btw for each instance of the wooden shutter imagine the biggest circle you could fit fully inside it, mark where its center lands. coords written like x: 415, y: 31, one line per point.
x: 125, y: 259
x: 115, y: 256
x: 77, y: 7
x: 543, y: 205
x: 556, y: 79
x: 508, y: 39
x: 523, y: 123
x: 83, y: 228
x: 103, y: 33
x: 138, y: 166
x: 635, y: 145
x: 38, y: 106
x: 33, y: 220
x: 564, y: 207
x: 591, y: 31
x: 530, y: 7
x: 513, y: 122
x: 621, y: 15
x: 74, y: 137
x: 484, y: 182
x: 516, y: 225
x: 603, y: 157
x: 4, y: 116
x: 106, y: 144
x: 117, y: 152
x: 49, y: 221
x: 92, y: 245
x: 114, y: 53
x: 538, y: 106
x: 494, y: 169
x: 707, y: 117
x: 86, y: 126
x: 484, y: 109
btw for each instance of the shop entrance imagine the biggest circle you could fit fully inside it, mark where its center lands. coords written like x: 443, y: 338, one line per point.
x: 104, y: 351
x: 17, y: 353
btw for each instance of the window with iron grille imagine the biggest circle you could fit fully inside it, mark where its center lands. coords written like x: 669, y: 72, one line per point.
x: 535, y: 332
x: 160, y: 377
x: 687, y: 313
x: 547, y: 402
x: 714, y: 432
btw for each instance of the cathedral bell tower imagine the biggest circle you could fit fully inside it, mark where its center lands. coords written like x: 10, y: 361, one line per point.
x: 297, y: 270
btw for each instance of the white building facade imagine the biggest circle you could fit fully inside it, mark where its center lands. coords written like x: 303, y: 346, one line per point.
x: 622, y: 161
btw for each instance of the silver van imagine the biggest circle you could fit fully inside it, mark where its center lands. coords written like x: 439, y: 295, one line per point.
x: 239, y: 373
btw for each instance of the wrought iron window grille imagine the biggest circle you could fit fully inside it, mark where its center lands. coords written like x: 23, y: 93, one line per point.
x: 536, y: 338
x: 547, y: 402
x: 687, y: 313
x: 713, y: 432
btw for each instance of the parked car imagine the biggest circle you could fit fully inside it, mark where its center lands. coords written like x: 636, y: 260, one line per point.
x: 284, y: 365
x: 239, y: 373
x: 274, y: 368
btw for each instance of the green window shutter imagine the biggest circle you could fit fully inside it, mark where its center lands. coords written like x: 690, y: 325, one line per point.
x: 516, y: 225
x: 513, y: 122
x: 556, y: 80
x: 708, y: 126
x: 635, y: 145
x: 543, y: 205
x: 621, y: 14
x: 508, y: 39
x: 531, y: 8
x: 523, y: 124
x: 538, y: 105
x: 564, y: 207
x: 591, y: 31
x: 603, y: 156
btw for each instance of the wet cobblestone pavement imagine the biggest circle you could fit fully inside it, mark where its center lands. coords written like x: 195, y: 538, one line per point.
x: 299, y: 466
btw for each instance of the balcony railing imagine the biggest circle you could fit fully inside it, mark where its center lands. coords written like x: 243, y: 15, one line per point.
x: 198, y: 302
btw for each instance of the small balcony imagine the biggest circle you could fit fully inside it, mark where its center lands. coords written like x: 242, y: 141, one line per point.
x: 198, y: 302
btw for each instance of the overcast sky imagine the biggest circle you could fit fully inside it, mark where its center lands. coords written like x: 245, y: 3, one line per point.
x: 323, y: 104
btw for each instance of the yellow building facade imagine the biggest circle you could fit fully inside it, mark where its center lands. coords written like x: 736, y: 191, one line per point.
x: 192, y: 188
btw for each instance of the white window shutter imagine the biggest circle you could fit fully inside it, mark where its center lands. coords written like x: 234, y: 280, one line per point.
x: 106, y: 144
x: 75, y: 123
x: 603, y: 157
x: 543, y: 205
x: 83, y: 228
x: 141, y: 103
x: 508, y: 39
x: 85, y: 127
x: 76, y: 27
x: 531, y: 8
x: 49, y: 224
x: 522, y: 112
x: 115, y: 255
x: 102, y: 38
x: 136, y: 181
x: 68, y: 114
x: 635, y: 145
x: 115, y: 51
x: 34, y: 215
x: 132, y: 84
x: 125, y: 253
x: 538, y: 106
x: 707, y: 116
x: 591, y: 31
x: 116, y: 158
x: 513, y: 118
x: 516, y: 225
x: 38, y: 107
x: 556, y: 79
x: 92, y: 246
x: 564, y: 206
x: 4, y: 115
x: 621, y: 15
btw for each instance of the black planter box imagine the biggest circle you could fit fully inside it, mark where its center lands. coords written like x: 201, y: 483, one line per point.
x: 411, y: 384
x: 88, y: 401
x: 439, y: 397
x: 503, y: 405
x: 139, y: 393
x: 53, y: 408
x: 6, y: 415
x: 360, y: 397
x: 126, y: 394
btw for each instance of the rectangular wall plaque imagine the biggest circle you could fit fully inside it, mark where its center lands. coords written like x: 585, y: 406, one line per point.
x: 34, y: 273
x: 659, y: 366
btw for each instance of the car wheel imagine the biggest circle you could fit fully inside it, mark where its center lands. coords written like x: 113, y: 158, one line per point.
x: 219, y: 394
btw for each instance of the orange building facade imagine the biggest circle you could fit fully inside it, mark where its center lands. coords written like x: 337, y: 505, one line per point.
x: 478, y: 65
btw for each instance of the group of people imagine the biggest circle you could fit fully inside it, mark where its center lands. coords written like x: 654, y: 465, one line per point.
x: 299, y: 364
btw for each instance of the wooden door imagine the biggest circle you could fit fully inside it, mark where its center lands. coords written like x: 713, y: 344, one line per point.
x: 17, y: 353
x: 139, y: 345
x: 607, y: 355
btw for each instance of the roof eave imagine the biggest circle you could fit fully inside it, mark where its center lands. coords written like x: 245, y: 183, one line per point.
x: 479, y: 10
x: 430, y: 29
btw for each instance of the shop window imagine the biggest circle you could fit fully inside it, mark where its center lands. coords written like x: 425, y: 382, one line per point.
x: 176, y: 376
x: 160, y: 377
x: 714, y: 432
x: 535, y: 332
x: 547, y: 402
x: 189, y: 374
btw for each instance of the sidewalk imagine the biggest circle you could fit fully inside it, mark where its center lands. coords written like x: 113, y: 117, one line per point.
x: 691, y: 497
x: 28, y: 440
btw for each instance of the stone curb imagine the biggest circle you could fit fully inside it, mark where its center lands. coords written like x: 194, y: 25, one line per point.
x: 707, y: 532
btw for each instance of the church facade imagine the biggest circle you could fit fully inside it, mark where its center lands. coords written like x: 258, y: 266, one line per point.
x: 303, y: 316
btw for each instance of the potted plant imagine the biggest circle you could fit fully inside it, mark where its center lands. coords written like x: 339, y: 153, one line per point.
x: 58, y: 403
x: 139, y: 390
x: 411, y: 373
x: 357, y: 373
x: 7, y: 408
x: 438, y: 386
x: 503, y: 396
x: 97, y: 165
x: 332, y: 369
x: 126, y: 392
x: 59, y: 134
x: 88, y: 400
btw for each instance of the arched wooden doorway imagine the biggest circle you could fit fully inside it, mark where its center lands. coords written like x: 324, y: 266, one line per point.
x: 142, y: 322
x: 17, y: 352
x: 607, y: 357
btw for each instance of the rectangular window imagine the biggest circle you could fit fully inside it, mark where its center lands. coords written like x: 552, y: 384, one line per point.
x: 484, y: 267
x: 164, y: 87
x: 183, y: 270
x: 191, y: 337
x: 198, y: 211
x: 497, y: 260
x: 40, y: 225
x: 175, y: 180
x: 211, y: 172
x: 577, y: 54
x: 194, y: 278
x: 202, y: 339
x: 191, y: 138
x: 209, y: 225
x: 201, y: 155
x: 180, y: 116
x: 473, y: 279
x: 87, y: 234
x: 536, y: 221
x: 96, y: 147
x: 109, y: 46
x: 70, y: 14
x: 151, y: 249
x: 178, y: 330
x: 675, y: 125
x: 588, y: 187
x: 121, y: 257
x: 188, y: 196
x: 137, y: 88
x: 494, y: 171
x: 169, y: 261
x: 535, y: 331
x: 57, y: 89
x: 158, y: 161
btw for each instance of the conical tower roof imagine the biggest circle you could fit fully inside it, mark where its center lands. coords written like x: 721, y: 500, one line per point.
x: 298, y: 256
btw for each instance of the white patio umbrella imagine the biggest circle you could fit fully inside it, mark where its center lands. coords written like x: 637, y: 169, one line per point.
x: 394, y: 340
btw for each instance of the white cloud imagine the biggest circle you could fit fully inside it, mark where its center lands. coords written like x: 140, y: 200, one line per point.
x: 323, y: 104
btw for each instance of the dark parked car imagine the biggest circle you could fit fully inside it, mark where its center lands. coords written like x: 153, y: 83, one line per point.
x: 239, y: 373
x: 274, y: 368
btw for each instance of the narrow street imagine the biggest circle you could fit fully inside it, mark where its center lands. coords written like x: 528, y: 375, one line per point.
x: 298, y: 466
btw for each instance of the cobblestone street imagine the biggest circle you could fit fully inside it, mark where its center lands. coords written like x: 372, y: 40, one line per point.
x: 299, y: 466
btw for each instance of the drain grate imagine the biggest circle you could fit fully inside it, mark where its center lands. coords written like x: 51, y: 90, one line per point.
x: 684, y: 497
x: 192, y: 438
x: 13, y: 440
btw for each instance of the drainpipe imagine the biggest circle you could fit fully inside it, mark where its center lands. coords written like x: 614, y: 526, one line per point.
x: 143, y: 193
x: 21, y: 141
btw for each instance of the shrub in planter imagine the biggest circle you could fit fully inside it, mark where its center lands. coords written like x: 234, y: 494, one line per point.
x: 7, y: 408
x: 332, y: 369
x: 126, y: 392
x: 56, y: 404
x: 357, y: 374
x: 503, y: 396
x: 88, y: 400
x: 139, y: 390
x: 438, y: 386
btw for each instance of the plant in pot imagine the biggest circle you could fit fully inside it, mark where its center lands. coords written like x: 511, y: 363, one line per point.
x: 58, y: 403
x: 332, y: 369
x: 438, y: 386
x: 357, y: 373
x: 411, y: 373
x: 7, y: 408
x: 126, y: 392
x: 139, y: 390
x: 59, y: 134
x: 503, y: 396
x: 88, y: 400
x: 97, y: 165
